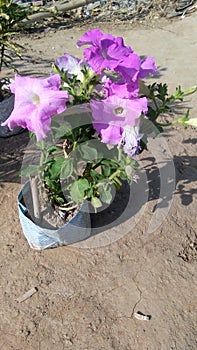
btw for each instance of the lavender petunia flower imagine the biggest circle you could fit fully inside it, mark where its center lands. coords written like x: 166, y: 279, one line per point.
x: 72, y: 65
x: 130, y: 140
x: 147, y: 67
x: 113, y: 114
x: 68, y: 63
x: 36, y: 100
x: 106, y: 50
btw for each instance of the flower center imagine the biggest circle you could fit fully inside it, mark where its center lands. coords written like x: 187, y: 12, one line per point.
x: 119, y: 111
x: 35, y: 99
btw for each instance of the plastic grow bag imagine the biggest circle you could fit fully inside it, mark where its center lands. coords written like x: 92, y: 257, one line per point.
x: 77, y: 229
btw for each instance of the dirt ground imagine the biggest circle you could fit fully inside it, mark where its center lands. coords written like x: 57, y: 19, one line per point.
x: 87, y: 293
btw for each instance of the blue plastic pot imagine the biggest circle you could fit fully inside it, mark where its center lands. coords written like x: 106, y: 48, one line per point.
x: 77, y: 229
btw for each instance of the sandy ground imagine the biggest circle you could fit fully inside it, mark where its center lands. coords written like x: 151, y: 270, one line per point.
x: 87, y: 294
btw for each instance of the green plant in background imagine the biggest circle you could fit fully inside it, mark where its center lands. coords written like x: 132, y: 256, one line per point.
x: 10, y: 15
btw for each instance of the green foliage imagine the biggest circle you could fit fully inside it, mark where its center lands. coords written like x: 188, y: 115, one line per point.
x: 10, y: 15
x: 80, y: 90
x: 78, y: 189
x: 105, y: 192
x: 77, y: 166
x: 161, y: 105
x: 26, y: 171
x: 67, y: 168
x: 87, y: 152
x: 60, y: 130
x: 73, y: 171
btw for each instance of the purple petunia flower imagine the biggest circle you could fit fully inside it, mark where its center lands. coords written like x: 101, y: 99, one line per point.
x: 132, y: 68
x: 130, y: 140
x: 92, y: 37
x: 147, y: 67
x: 109, y: 52
x: 121, y: 90
x: 113, y: 114
x: 36, y: 100
x: 106, y: 50
x: 129, y: 68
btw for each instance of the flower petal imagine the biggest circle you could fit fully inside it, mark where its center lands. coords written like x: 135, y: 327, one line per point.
x: 110, y: 133
x: 129, y: 68
x: 36, y: 100
x: 91, y: 37
x: 147, y: 67
x: 130, y: 140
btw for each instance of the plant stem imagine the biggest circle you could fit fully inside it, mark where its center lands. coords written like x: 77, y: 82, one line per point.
x: 2, y: 55
x: 119, y: 153
x: 35, y: 196
x: 155, y: 103
x: 98, y: 164
x: 42, y: 156
x: 36, y: 184
x: 170, y: 123
x: 87, y: 171
x: 74, y: 145
x: 163, y: 125
x: 42, y: 153
x: 117, y: 172
x: 68, y: 208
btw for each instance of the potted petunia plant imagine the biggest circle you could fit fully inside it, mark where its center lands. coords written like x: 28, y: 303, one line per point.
x: 89, y: 119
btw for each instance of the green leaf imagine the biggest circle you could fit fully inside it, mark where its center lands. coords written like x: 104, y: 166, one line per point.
x: 190, y: 91
x: 87, y: 152
x: 75, y: 193
x: 149, y: 127
x: 78, y: 188
x: 28, y: 170
x: 106, y: 171
x: 83, y: 185
x: 49, y: 182
x: 105, y: 194
x: 55, y: 168
x: 52, y: 149
x: 53, y: 186
x: 62, y: 131
x: 60, y: 200
x: 67, y: 168
x: 96, y: 202
x: 129, y: 170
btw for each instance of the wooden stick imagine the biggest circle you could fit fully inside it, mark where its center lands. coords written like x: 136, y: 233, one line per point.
x: 57, y: 8
x: 35, y: 195
x: 27, y: 295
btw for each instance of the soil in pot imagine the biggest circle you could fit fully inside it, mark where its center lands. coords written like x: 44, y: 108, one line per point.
x: 50, y: 217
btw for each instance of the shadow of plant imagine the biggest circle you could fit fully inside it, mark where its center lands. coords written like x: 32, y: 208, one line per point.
x: 130, y: 199
x: 34, y: 66
x: 185, y: 171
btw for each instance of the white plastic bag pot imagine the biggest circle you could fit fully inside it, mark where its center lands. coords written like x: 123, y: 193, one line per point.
x: 77, y: 229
